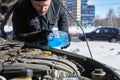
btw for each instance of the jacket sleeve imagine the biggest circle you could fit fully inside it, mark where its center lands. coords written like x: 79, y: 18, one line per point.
x: 20, y: 30
x: 63, y: 20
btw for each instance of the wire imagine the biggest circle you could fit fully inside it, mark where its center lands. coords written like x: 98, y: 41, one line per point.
x: 80, y: 28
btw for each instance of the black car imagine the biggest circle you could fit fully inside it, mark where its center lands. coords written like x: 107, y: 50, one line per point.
x: 110, y: 34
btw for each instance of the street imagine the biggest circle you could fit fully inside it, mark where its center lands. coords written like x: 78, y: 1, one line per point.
x: 74, y: 39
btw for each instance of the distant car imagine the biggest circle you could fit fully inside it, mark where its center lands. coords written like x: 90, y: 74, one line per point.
x: 110, y: 34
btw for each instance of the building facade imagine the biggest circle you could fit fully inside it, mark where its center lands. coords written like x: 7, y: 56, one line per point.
x: 76, y: 12
x: 81, y: 11
x: 74, y: 8
x: 87, y: 13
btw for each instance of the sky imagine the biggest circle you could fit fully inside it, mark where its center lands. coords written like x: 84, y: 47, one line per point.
x: 103, y: 6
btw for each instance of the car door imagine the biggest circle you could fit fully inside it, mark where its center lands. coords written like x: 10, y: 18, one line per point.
x: 106, y: 35
x: 97, y: 34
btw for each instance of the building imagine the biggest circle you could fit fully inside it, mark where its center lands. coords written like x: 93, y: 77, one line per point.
x: 65, y: 3
x: 81, y: 11
x: 74, y: 8
x: 87, y: 13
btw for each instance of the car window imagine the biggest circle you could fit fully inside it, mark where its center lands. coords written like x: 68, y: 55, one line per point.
x: 115, y: 30
x: 99, y: 31
x: 107, y: 31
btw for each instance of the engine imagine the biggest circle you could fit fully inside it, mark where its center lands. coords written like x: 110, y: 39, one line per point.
x: 18, y: 63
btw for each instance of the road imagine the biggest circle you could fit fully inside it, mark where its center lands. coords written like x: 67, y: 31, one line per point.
x: 74, y: 39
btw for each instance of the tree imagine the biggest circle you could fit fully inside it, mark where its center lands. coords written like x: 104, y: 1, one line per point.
x: 118, y: 18
x: 111, y: 18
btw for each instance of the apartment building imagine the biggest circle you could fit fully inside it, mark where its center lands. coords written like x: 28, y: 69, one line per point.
x: 81, y: 11
x: 87, y: 13
x: 73, y: 7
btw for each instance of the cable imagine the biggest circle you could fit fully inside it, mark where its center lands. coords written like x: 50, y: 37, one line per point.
x: 79, y: 26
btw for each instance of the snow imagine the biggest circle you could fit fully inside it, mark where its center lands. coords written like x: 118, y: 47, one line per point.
x: 105, y: 52
x: 102, y: 51
x: 76, y: 30
x: 8, y: 28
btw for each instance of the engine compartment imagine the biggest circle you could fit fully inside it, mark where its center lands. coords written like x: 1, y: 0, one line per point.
x: 18, y: 62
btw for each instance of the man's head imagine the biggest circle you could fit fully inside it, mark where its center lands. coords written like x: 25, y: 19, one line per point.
x: 41, y: 6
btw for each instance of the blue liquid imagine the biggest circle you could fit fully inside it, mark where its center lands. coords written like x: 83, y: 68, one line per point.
x: 58, y: 39
x: 57, y: 42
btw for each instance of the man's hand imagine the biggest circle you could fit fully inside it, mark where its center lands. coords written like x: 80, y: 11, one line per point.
x: 44, y: 33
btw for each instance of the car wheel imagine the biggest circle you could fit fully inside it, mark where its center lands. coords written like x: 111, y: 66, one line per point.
x: 113, y: 40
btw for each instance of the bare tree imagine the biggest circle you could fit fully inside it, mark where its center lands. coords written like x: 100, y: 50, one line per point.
x: 111, y: 18
x: 118, y: 18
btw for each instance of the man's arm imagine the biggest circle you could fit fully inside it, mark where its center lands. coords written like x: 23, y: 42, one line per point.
x: 63, y: 21
x: 21, y: 32
x: 63, y: 25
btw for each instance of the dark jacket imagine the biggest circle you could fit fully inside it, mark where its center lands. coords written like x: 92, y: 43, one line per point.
x: 27, y: 24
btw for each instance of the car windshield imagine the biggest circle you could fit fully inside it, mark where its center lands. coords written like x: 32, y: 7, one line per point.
x: 84, y: 17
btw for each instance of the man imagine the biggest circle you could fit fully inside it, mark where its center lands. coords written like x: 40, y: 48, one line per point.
x: 33, y: 20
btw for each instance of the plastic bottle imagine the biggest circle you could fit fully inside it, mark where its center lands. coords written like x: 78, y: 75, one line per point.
x: 58, y: 39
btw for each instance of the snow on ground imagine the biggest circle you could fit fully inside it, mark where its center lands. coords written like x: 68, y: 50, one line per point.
x: 105, y: 52
x: 76, y: 30
x: 8, y: 28
x: 102, y: 51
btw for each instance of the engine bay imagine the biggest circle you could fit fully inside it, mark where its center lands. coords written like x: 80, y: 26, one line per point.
x: 18, y: 62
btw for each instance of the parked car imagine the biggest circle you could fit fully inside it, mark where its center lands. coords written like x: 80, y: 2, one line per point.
x: 109, y: 34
